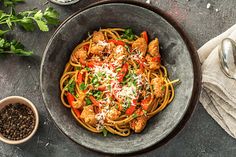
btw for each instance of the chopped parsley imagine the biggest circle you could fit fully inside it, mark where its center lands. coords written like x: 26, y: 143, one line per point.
x: 87, y: 68
x: 82, y: 86
x: 71, y: 86
x: 163, y: 88
x: 134, y: 115
x: 104, y: 131
x: 88, y: 101
x: 97, y: 94
x: 128, y: 34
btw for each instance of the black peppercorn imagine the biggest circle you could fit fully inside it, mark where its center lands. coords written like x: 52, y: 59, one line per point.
x: 16, y: 121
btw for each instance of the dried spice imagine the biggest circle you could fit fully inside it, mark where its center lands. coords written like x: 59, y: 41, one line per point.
x: 17, y: 121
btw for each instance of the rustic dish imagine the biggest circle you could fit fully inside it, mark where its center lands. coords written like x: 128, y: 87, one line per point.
x: 179, y: 57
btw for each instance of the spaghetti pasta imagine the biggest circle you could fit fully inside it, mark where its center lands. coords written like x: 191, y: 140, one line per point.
x: 114, y: 81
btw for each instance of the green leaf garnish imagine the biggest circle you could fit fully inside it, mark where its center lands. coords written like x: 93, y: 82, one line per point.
x: 82, y: 86
x: 104, y: 131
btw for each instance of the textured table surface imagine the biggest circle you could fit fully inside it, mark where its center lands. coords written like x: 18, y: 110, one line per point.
x: 202, y: 136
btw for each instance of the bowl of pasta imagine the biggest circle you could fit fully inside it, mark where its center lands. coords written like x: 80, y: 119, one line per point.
x: 120, y: 77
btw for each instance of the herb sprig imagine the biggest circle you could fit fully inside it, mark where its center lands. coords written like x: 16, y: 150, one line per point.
x: 28, y: 20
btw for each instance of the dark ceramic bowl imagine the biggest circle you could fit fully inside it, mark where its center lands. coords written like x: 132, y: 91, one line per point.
x: 178, y: 56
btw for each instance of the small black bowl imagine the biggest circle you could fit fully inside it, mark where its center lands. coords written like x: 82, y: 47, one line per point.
x: 178, y: 56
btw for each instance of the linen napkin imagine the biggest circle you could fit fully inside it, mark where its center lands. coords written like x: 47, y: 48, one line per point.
x: 219, y: 92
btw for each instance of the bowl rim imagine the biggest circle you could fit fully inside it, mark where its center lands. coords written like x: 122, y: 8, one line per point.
x: 193, y: 54
x: 28, y: 103
x: 66, y: 3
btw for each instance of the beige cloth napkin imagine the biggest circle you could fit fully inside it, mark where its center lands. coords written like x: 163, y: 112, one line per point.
x: 219, y: 92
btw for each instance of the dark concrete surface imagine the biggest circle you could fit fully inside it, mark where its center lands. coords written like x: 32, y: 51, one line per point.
x: 202, y: 136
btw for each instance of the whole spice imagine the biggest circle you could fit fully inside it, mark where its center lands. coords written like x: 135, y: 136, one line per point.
x: 17, y: 121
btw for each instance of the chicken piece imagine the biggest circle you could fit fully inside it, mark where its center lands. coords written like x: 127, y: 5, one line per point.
x: 98, y: 36
x: 138, y: 124
x: 80, y: 53
x: 97, y: 49
x: 153, y: 48
x: 80, y: 101
x: 140, y: 45
x: 113, y: 114
x: 153, y: 64
x: 88, y: 115
x: 158, y: 87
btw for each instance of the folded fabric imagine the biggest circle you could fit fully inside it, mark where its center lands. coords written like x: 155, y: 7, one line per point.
x: 219, y: 92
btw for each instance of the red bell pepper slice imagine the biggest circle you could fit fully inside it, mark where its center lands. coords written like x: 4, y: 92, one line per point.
x: 86, y: 47
x: 131, y: 109
x: 156, y: 59
x: 83, y: 62
x: 123, y: 72
x: 70, y: 99
x: 94, y: 101
x: 144, y: 103
x: 145, y: 36
x: 102, y: 88
x: 91, y: 64
x: 116, y: 42
x: 79, y: 78
x: 77, y: 112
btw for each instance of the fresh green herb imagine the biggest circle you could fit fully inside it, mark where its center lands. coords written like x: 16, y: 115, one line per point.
x: 118, y: 69
x: 104, y: 131
x: 28, y: 20
x: 127, y: 48
x: 8, y: 3
x: 82, y: 86
x: 87, y: 68
x: 71, y: 86
x: 94, y: 80
x: 97, y: 94
x: 145, y: 112
x: 77, y: 95
x: 117, y: 107
x: 134, y: 115
x: 99, y: 74
x: 128, y: 34
x: 129, y: 84
x: 13, y: 47
x: 88, y: 101
x: 163, y: 88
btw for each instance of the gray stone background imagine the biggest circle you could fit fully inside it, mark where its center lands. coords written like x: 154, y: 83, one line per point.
x: 202, y: 136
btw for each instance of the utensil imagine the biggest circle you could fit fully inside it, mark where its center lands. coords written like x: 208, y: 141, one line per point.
x: 21, y: 100
x: 178, y: 55
x: 227, y: 55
